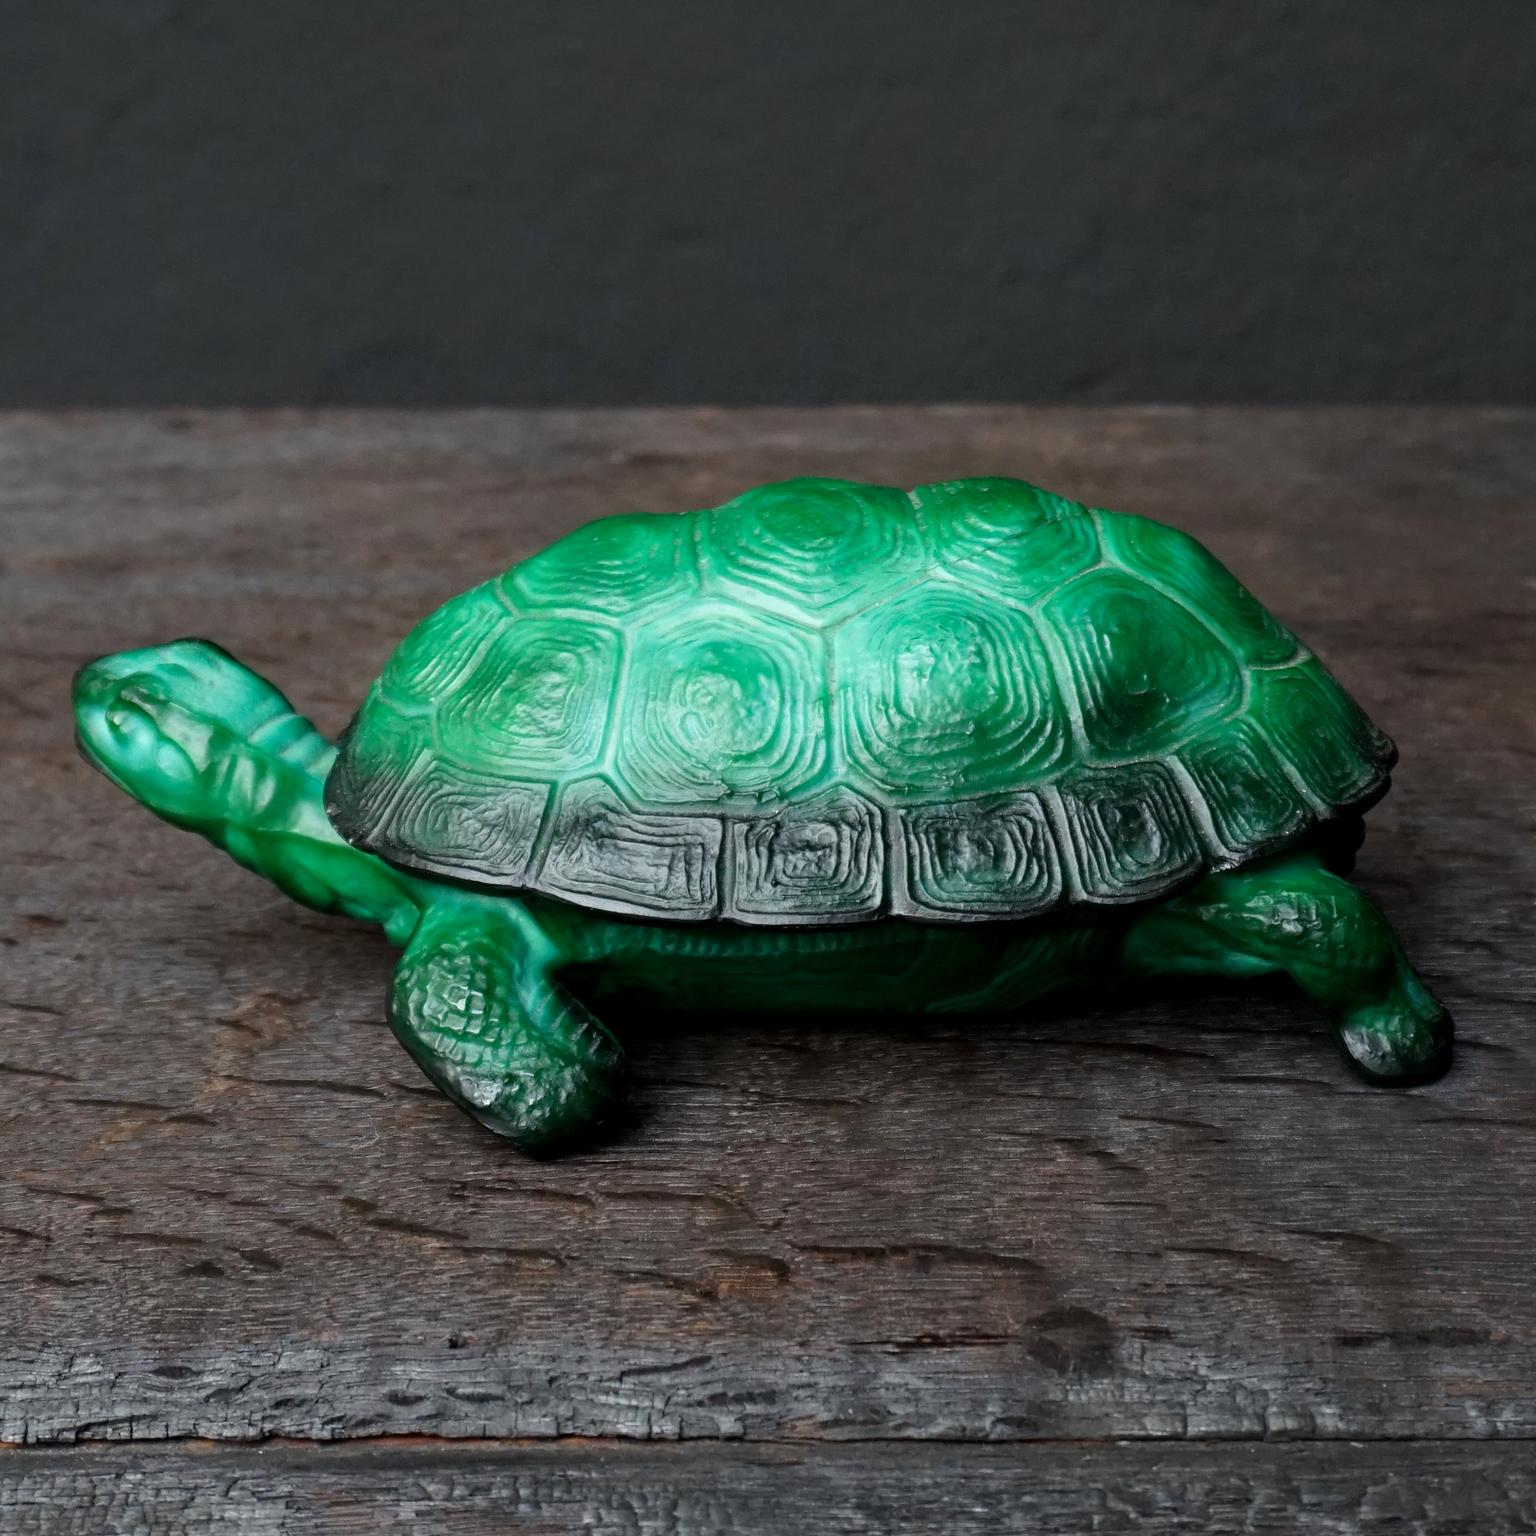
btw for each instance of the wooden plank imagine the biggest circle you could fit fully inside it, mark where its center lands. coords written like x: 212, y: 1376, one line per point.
x: 1444, y: 1489
x: 232, y: 1209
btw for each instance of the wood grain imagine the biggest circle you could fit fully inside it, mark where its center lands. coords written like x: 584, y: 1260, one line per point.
x: 232, y: 1209
x: 609, y: 1489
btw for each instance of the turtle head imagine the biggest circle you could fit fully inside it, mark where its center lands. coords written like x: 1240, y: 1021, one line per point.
x: 177, y: 726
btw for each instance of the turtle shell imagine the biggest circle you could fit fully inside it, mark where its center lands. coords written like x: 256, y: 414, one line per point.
x: 826, y: 702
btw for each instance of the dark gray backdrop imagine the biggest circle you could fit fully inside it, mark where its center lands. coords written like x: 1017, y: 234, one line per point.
x: 214, y: 201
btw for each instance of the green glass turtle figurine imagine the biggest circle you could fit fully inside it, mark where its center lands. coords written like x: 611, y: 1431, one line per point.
x: 829, y: 746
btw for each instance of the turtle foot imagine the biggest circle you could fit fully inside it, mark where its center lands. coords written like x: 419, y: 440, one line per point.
x: 545, y: 1107
x: 1403, y: 1040
x: 476, y: 1005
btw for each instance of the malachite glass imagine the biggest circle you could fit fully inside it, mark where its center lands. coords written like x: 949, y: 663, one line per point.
x: 832, y: 746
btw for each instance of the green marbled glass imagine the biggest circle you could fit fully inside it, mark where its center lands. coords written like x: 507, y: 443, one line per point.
x: 839, y: 746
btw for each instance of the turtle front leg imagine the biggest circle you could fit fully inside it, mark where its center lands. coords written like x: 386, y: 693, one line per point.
x: 1290, y: 914
x: 477, y: 1005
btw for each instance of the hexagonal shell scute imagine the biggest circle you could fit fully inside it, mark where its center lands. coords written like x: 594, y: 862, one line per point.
x: 614, y: 565
x: 951, y: 695
x: 722, y: 705
x: 814, y: 550
x: 1005, y: 536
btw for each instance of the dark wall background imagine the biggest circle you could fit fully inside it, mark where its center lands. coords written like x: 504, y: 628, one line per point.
x: 358, y: 200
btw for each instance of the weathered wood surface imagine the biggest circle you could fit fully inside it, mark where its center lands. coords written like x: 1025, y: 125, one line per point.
x: 1444, y: 1489
x: 231, y: 1208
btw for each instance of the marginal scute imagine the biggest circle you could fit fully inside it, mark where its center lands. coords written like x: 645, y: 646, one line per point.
x: 942, y: 693
x: 814, y: 549
x: 1005, y: 536
x: 536, y: 702
x: 980, y: 858
x: 1250, y: 799
x: 1176, y: 563
x: 440, y: 652
x: 379, y: 753
x: 821, y: 860
x: 605, y: 855
x: 1146, y: 672
x: 455, y: 821
x: 1132, y: 834
x: 723, y: 707
x: 1340, y: 756
x: 613, y: 565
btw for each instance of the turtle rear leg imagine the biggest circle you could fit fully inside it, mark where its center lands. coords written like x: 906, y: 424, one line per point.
x: 1291, y: 914
x: 478, y: 1008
